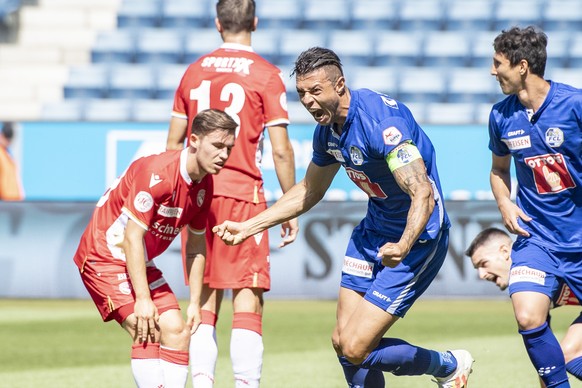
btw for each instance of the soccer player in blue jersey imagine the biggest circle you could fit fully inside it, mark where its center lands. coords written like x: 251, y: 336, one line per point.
x: 397, y: 249
x: 539, y: 125
x: 490, y: 253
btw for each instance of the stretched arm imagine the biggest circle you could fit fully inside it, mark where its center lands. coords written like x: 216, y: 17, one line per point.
x: 176, y: 133
x: 413, y: 180
x: 500, y: 180
x: 299, y: 199
x: 145, y: 310
x: 284, y: 160
x: 195, y: 262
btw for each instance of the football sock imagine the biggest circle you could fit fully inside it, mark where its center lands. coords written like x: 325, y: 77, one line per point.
x: 361, y: 377
x: 204, y: 352
x: 145, y: 365
x: 174, y: 364
x: 403, y: 359
x: 575, y: 367
x: 546, y: 355
x: 246, y: 349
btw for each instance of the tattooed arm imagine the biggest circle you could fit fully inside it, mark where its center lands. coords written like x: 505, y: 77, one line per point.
x: 413, y: 180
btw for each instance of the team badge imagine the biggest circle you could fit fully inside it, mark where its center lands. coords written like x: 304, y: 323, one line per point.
x: 404, y: 155
x: 391, y: 136
x: 143, y: 201
x: 200, y: 197
x: 554, y: 137
x: 125, y: 288
x: 356, y: 156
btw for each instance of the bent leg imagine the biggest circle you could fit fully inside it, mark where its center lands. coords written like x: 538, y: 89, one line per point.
x: 572, y: 348
x: 531, y: 311
x: 174, y: 343
x: 145, y: 357
x: 246, y: 343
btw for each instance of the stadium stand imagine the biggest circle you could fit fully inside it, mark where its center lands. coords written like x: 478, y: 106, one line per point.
x: 422, y: 52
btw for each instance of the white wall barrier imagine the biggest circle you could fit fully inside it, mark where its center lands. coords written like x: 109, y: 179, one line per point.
x: 38, y: 240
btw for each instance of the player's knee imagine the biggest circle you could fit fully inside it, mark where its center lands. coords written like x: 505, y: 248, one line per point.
x: 335, y: 343
x: 352, y: 351
x: 570, y: 351
x: 527, y: 321
x: 175, y: 332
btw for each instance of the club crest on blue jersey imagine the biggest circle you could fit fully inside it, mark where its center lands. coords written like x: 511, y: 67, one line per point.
x: 404, y: 155
x: 356, y: 156
x: 554, y: 137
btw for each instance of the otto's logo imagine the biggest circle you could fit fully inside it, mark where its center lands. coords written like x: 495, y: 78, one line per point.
x: 143, y: 201
x: 554, y: 137
x: 356, y: 156
x: 550, y: 173
x: 229, y: 64
x: 391, y: 136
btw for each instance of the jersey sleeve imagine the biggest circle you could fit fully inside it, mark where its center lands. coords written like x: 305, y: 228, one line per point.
x: 389, y: 134
x: 496, y: 146
x: 275, y: 101
x: 320, y: 156
x: 142, y: 202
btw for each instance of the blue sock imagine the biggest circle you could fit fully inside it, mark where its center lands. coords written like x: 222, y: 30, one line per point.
x: 546, y: 355
x: 403, y: 359
x: 360, y: 377
x: 575, y: 367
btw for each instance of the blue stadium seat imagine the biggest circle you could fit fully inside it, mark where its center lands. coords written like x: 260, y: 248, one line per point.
x: 116, y: 46
x: 327, y: 14
x: 482, y: 48
x: 522, y: 13
x: 422, y: 84
x: 147, y: 110
x: 418, y: 110
x: 458, y: 113
x: 90, y: 81
x: 572, y: 76
x: 398, y: 48
x: 200, y: 41
x: 139, y: 13
x: 293, y: 42
x: 108, y: 110
x: 265, y: 42
x: 279, y: 13
x: 132, y: 81
x: 381, y: 79
x: 482, y: 112
x: 446, y: 48
x: 558, y: 48
x: 167, y: 80
x: 374, y: 15
x: 187, y: 13
x: 421, y: 15
x: 159, y: 45
x: 575, y: 51
x: 298, y: 114
x: 354, y: 47
x: 463, y: 15
x: 562, y: 15
x: 66, y: 110
x: 474, y: 85
x: 289, y: 83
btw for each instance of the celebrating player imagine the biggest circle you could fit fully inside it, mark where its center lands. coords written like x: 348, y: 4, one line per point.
x: 134, y: 222
x: 490, y: 253
x: 236, y: 79
x: 398, y: 248
x: 539, y: 125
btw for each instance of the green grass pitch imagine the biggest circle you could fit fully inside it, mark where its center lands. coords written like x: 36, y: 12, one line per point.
x: 63, y: 343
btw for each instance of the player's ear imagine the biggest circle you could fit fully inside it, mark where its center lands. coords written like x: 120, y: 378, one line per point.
x: 505, y: 251
x: 218, y: 25
x: 255, y: 24
x: 340, y: 86
x: 194, y: 141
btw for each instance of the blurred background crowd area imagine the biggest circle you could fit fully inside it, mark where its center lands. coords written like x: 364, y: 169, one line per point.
x: 121, y: 60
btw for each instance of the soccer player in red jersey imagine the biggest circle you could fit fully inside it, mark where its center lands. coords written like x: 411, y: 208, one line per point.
x: 237, y: 80
x: 134, y: 222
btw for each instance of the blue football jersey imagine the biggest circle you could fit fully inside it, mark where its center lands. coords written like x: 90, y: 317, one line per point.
x: 375, y: 125
x: 547, y: 153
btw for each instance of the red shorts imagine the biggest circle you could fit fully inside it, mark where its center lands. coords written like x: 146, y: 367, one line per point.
x: 242, y: 266
x: 110, y: 288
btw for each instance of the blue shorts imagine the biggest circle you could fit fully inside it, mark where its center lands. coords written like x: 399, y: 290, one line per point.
x: 535, y: 268
x: 392, y: 289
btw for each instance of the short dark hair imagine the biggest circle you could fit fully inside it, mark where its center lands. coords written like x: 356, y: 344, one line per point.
x: 8, y: 130
x: 316, y: 58
x: 526, y: 43
x: 210, y: 120
x: 236, y: 15
x: 483, y: 237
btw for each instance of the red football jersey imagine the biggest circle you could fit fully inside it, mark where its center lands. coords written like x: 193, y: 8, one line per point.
x: 238, y: 81
x: 157, y: 193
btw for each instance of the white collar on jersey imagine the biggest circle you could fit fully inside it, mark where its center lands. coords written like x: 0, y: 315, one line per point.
x: 183, y: 170
x: 237, y: 46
